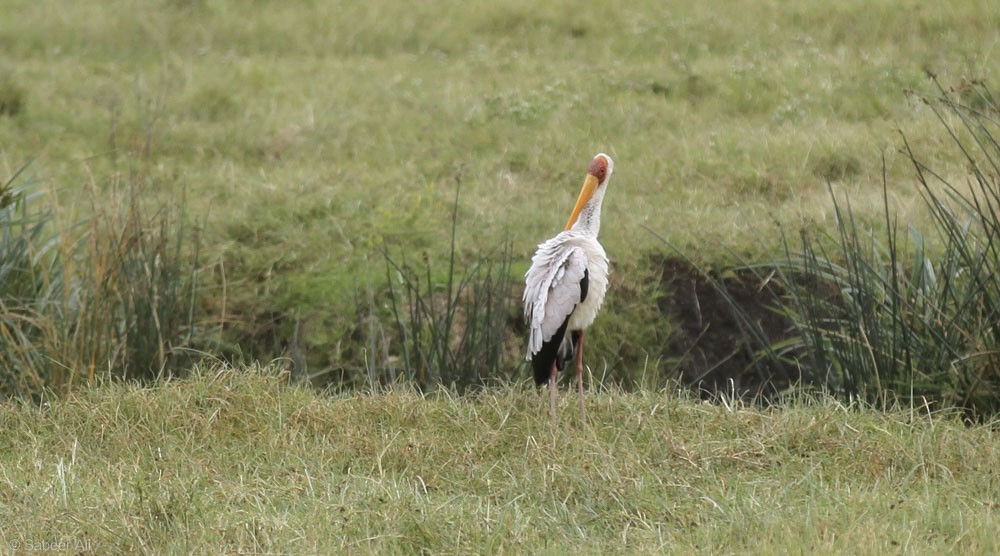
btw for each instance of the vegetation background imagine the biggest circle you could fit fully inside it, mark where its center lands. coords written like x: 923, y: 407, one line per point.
x: 300, y: 138
x: 353, y: 190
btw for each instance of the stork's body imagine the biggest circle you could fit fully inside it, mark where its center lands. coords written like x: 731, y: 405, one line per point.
x: 565, y: 286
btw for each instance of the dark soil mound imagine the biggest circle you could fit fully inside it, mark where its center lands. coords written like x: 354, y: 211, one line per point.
x: 719, y: 340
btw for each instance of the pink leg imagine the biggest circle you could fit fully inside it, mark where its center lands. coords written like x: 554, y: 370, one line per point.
x: 579, y: 377
x: 552, y: 393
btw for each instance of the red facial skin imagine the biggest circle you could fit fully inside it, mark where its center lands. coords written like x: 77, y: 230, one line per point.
x: 598, y: 168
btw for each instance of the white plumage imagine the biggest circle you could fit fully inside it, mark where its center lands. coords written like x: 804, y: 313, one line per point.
x: 565, y: 286
x: 552, y: 292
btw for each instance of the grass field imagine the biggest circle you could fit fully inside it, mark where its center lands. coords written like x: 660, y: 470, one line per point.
x: 303, y: 136
x: 237, y: 461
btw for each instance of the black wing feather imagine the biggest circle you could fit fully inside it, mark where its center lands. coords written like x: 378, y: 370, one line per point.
x: 559, y: 349
x: 542, y: 361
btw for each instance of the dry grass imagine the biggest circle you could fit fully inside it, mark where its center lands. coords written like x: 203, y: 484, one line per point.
x: 237, y: 461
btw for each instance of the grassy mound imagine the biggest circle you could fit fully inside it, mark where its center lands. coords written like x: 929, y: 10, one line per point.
x: 239, y: 461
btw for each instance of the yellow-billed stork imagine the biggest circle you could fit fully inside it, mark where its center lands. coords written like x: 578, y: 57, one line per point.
x: 565, y: 286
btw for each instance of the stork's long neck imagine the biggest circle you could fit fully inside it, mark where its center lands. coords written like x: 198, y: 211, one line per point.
x: 589, y: 221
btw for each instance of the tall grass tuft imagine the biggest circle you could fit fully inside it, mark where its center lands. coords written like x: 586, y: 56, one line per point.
x: 111, y: 297
x: 452, y: 329
x: 135, y: 286
x: 899, y: 313
x: 27, y: 269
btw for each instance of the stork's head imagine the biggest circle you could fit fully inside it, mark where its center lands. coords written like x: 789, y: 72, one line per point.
x: 598, y: 176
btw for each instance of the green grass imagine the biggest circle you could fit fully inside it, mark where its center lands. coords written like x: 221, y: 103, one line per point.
x: 239, y: 461
x: 304, y: 135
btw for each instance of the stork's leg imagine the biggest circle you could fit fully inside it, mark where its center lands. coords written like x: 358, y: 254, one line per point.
x: 552, y: 392
x: 579, y: 376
